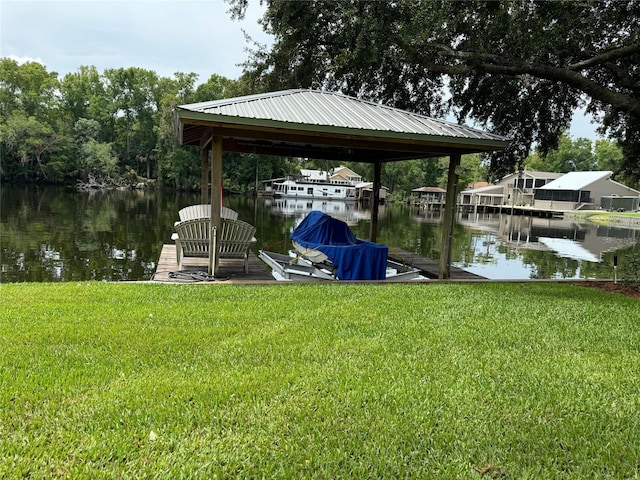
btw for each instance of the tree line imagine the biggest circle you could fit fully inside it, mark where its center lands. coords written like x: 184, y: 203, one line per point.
x: 115, y: 127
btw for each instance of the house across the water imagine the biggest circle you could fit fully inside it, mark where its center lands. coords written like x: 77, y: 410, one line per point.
x: 431, y: 198
x: 364, y: 192
x: 340, y: 183
x: 517, y: 189
x: 336, y: 184
x: 584, y: 190
x: 554, y: 191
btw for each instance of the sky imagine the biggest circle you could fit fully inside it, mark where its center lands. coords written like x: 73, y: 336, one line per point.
x: 166, y: 36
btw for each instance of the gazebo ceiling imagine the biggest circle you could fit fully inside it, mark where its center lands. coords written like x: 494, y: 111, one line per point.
x: 324, y: 125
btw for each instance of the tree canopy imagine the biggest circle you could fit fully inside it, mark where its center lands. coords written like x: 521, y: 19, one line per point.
x: 519, y: 68
x: 114, y: 126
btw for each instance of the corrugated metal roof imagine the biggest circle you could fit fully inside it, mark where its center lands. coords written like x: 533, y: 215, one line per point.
x: 576, y: 180
x: 315, y: 107
x: 429, y: 190
x: 488, y: 188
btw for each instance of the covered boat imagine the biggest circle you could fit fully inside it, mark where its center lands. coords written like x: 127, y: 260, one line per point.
x: 326, y: 248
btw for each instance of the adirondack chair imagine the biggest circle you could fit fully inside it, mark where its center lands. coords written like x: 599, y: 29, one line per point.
x: 203, y: 210
x: 234, y: 239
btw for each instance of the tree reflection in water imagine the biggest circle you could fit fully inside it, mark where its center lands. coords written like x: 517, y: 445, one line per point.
x: 56, y: 234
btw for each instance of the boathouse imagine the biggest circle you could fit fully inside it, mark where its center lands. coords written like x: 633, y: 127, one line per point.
x: 330, y: 126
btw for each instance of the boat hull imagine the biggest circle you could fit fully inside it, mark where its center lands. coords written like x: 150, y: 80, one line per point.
x: 296, y: 268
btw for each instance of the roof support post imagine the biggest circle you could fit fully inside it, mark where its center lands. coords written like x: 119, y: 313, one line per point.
x: 375, y: 199
x: 447, y: 223
x: 216, y: 203
x: 204, y: 166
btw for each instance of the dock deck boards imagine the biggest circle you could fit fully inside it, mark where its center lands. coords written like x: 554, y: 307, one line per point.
x: 428, y: 266
x: 232, y: 271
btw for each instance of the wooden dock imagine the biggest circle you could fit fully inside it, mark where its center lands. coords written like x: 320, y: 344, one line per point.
x: 231, y: 271
x: 429, y: 267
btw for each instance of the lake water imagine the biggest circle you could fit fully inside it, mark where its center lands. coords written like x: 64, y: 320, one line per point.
x: 56, y: 234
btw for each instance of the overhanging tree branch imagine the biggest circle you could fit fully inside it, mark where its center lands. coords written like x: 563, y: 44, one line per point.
x: 607, y: 56
x: 471, y: 63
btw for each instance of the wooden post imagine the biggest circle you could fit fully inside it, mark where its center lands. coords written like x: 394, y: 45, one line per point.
x: 373, y: 229
x: 447, y: 223
x: 204, y: 167
x: 216, y: 202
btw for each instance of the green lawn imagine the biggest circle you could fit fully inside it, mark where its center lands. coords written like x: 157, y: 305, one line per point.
x: 613, y: 217
x: 442, y: 380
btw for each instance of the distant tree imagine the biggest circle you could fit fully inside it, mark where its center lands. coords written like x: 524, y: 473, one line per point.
x: 474, y: 169
x: 519, y: 68
x: 30, y: 141
x: 430, y: 172
x: 608, y: 156
x: 135, y: 99
x: 28, y: 87
x: 215, y: 88
x: 171, y: 156
x: 570, y: 156
x: 83, y: 95
x: 93, y: 158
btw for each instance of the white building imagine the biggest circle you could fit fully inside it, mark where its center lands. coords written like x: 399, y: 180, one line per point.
x: 515, y: 189
x: 336, y: 184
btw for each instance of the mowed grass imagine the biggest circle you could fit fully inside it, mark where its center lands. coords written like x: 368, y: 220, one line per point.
x: 517, y: 380
x: 614, y: 217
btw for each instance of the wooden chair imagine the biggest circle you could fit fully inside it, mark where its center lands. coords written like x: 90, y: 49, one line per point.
x: 234, y: 239
x: 203, y: 210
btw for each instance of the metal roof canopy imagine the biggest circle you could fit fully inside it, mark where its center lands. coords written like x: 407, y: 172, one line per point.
x: 330, y: 126
x: 326, y: 125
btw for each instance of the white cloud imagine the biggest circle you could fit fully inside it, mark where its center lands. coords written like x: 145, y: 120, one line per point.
x: 21, y: 60
x: 164, y: 36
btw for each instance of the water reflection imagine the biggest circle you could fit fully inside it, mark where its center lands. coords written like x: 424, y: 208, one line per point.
x: 577, y: 246
x: 347, y: 211
x: 567, y: 238
x: 52, y: 234
x: 49, y: 234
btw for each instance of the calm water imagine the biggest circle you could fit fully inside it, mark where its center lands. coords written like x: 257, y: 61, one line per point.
x: 53, y: 234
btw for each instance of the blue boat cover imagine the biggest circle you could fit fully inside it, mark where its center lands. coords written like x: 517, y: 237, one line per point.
x: 354, y: 259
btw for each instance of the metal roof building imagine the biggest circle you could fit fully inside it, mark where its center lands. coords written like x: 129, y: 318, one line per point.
x: 576, y: 180
x: 327, y: 125
x: 582, y: 189
x: 330, y: 126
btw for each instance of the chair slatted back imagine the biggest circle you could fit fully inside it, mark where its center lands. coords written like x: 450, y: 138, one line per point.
x: 194, y: 237
x: 234, y: 240
x: 203, y: 210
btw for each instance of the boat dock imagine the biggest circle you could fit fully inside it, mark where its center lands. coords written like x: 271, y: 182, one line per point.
x: 512, y: 210
x: 195, y: 270
x: 428, y: 267
x: 232, y: 271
